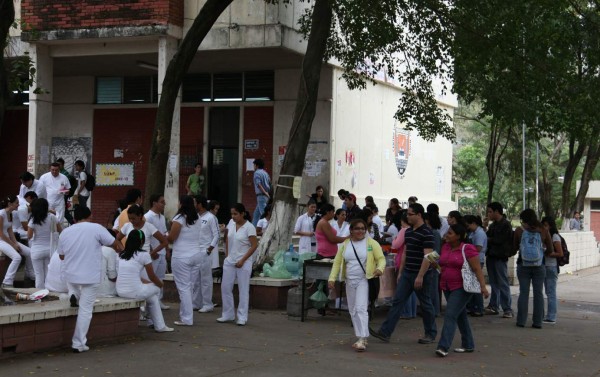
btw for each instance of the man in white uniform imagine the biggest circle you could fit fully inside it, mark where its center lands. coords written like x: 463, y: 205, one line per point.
x: 29, y: 183
x: 156, y: 217
x: 82, y: 193
x: 209, y: 242
x: 80, y: 248
x: 57, y: 185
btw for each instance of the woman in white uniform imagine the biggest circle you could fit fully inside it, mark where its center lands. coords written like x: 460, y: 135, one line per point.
x: 186, y: 258
x: 305, y: 229
x: 41, y: 229
x: 8, y: 243
x: 129, y: 284
x: 240, y: 245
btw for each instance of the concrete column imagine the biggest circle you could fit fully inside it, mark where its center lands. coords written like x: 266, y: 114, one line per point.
x: 40, y: 112
x: 167, y: 47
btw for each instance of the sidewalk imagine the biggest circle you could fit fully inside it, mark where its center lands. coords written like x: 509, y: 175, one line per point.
x: 272, y: 345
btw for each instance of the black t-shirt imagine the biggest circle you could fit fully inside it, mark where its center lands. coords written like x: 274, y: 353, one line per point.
x: 417, y: 240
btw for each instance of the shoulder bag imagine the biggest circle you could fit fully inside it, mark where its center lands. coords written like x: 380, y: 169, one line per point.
x: 470, y: 282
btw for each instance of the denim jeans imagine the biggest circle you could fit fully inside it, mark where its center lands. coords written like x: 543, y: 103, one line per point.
x: 456, y: 315
x: 550, y: 287
x: 410, y: 308
x: 261, y: 203
x: 475, y: 305
x: 533, y: 276
x: 498, y: 276
x: 405, y: 288
x: 435, y: 293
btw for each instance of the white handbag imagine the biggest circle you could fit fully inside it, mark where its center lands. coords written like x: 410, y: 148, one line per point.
x: 470, y: 282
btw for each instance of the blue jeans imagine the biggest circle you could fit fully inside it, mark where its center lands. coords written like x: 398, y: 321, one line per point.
x: 261, y: 203
x: 498, y: 276
x: 475, y: 305
x: 410, y: 309
x: 456, y: 315
x: 533, y: 276
x: 435, y: 293
x: 550, y: 287
x: 405, y: 288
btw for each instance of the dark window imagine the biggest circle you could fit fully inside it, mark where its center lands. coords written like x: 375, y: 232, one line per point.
x: 196, y: 88
x: 227, y: 86
x: 259, y: 86
x: 109, y: 90
x: 137, y: 89
x: 595, y: 205
x: 154, y: 89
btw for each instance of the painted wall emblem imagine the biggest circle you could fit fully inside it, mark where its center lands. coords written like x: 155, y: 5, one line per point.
x: 401, y: 149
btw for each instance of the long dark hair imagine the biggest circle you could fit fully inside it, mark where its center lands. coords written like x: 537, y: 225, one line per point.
x: 529, y: 217
x: 459, y: 218
x: 135, y: 242
x: 240, y: 208
x: 7, y: 200
x: 551, y: 224
x: 39, y: 211
x: 322, y: 212
x: 434, y: 220
x: 187, y: 209
x: 460, y: 230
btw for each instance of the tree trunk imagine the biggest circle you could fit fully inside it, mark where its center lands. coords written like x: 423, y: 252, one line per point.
x: 575, y: 156
x: 591, y: 162
x: 178, y: 67
x: 494, y: 156
x: 279, y: 233
x: 7, y: 17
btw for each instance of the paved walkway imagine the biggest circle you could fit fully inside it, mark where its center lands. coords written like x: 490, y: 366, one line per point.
x: 273, y: 345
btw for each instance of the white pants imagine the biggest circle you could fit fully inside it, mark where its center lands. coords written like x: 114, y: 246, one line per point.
x: 86, y: 295
x: 160, y: 269
x: 59, y: 208
x: 203, y: 289
x: 40, y: 260
x: 357, y: 294
x: 185, y: 273
x: 230, y: 273
x: 150, y: 293
x: 16, y: 258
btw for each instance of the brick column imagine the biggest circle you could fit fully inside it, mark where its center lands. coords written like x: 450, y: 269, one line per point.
x: 167, y: 47
x: 40, y: 112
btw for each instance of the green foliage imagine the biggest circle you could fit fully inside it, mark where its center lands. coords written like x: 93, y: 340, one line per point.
x: 21, y: 72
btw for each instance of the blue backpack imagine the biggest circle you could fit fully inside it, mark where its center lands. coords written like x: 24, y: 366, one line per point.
x: 532, y: 253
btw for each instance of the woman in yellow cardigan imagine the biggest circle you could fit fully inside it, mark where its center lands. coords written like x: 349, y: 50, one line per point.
x: 360, y: 258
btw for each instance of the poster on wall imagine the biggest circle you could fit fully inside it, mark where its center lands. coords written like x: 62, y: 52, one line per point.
x: 114, y: 174
x: 402, y: 149
x: 71, y: 149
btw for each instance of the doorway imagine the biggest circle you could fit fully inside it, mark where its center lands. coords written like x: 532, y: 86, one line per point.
x: 223, y: 154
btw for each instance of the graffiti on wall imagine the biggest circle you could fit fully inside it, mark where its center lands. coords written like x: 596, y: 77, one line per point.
x: 72, y: 149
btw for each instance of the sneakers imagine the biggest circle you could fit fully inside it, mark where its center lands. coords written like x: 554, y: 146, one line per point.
x: 441, y: 353
x: 205, y: 309
x: 165, y: 329
x: 508, y: 315
x: 463, y: 350
x: 360, y: 345
x: 164, y: 307
x: 73, y: 301
x: 224, y: 320
x: 179, y: 323
x: 81, y: 350
x: 549, y: 321
x: 492, y: 311
x: 379, y: 335
x: 240, y: 323
x: 427, y: 340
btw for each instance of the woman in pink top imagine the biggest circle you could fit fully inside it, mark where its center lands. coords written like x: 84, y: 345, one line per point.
x: 451, y: 283
x: 326, y: 236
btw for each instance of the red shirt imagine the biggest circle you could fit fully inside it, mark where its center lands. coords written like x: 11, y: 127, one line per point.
x: 451, y: 262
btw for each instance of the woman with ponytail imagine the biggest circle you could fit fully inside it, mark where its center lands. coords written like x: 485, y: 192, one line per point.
x: 132, y: 261
x: 8, y: 243
x: 41, y: 228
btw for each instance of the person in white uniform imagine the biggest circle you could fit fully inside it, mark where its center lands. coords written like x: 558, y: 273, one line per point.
x: 108, y: 286
x: 57, y: 185
x: 305, y: 229
x: 20, y: 220
x: 81, y: 191
x: 29, y: 183
x: 55, y: 279
x: 9, y: 245
x: 80, y: 248
x: 209, y: 241
x: 42, y: 227
x: 186, y: 258
x: 132, y: 261
x: 156, y: 217
x: 240, y: 245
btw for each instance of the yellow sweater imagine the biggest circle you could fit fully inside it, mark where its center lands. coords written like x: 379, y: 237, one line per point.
x: 375, y: 260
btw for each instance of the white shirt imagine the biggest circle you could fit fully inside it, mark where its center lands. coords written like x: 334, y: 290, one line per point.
x: 81, y: 244
x: 342, y: 231
x: 148, y: 230
x: 305, y: 224
x: 377, y: 221
x: 20, y: 216
x: 109, y: 270
x: 55, y: 280
x: 42, y: 233
x: 54, y: 185
x: 81, y: 176
x: 263, y: 224
x: 444, y: 228
x: 129, y: 282
x: 6, y: 223
x: 160, y: 224
x: 209, y: 231
x: 37, y: 187
x: 393, y: 231
x: 353, y: 268
x: 238, y: 241
x: 187, y: 243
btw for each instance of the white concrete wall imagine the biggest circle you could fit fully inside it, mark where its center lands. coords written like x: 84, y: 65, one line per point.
x: 73, y: 113
x: 584, y: 251
x: 363, y: 123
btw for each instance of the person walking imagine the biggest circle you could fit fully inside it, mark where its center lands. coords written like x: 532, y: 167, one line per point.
x: 262, y: 189
x: 57, y: 186
x: 552, y: 270
x: 42, y: 227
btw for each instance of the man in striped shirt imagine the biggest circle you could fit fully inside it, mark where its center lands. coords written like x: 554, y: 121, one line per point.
x: 416, y: 276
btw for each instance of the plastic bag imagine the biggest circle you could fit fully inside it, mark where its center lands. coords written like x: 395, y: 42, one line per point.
x: 319, y: 298
x: 278, y: 270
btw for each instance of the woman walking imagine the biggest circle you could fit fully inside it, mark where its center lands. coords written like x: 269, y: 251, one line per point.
x: 552, y: 270
x: 453, y: 254
x: 41, y: 228
x: 360, y: 258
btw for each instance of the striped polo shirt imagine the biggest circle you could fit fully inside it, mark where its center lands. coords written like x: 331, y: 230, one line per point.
x: 416, y: 241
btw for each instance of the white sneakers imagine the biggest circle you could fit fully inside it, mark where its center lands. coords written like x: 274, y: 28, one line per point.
x: 224, y: 320
x: 206, y: 309
x: 165, y: 329
x: 164, y: 307
x: 360, y: 345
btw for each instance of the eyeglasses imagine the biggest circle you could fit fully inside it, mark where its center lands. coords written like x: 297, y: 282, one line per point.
x: 410, y: 214
x: 360, y: 229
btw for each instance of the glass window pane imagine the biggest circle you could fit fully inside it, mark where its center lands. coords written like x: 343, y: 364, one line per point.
x: 108, y: 90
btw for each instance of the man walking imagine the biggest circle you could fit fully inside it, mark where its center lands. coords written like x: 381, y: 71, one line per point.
x: 500, y: 248
x: 262, y: 186
x: 209, y: 242
x: 416, y: 276
x: 57, y: 186
x: 80, y: 247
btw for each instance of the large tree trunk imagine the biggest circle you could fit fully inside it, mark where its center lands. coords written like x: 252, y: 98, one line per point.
x: 178, y: 67
x: 549, y: 176
x: 279, y: 233
x: 493, y: 160
x: 7, y: 17
x: 591, y: 161
x: 575, y: 156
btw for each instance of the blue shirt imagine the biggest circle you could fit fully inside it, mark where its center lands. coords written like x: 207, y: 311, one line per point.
x: 479, y: 238
x: 261, y: 178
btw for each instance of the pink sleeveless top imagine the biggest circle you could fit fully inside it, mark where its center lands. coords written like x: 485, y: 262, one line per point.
x: 324, y: 247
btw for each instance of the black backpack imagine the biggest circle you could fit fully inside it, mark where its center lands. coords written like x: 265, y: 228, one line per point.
x: 90, y: 182
x: 566, y: 254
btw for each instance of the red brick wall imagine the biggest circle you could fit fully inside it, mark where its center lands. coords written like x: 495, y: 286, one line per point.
x: 43, y: 15
x: 13, y: 159
x: 131, y: 131
x: 258, y: 124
